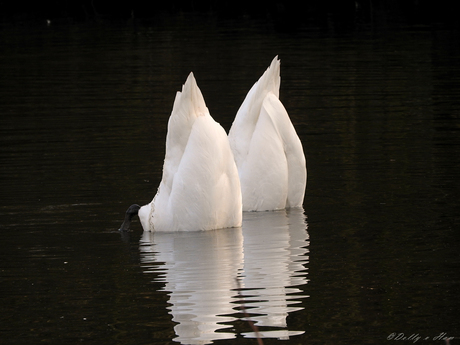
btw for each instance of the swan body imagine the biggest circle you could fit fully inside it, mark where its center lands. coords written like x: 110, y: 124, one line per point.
x: 200, y: 188
x: 268, y: 153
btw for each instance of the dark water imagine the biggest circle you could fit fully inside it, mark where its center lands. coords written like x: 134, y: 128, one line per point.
x: 84, y: 109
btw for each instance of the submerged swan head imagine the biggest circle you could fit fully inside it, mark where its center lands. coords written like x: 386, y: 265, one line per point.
x: 132, y: 211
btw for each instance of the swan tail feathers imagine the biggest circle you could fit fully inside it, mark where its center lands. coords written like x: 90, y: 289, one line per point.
x: 189, y: 102
x: 248, y: 114
x: 293, y: 150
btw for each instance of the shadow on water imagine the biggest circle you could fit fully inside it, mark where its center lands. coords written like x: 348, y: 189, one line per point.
x: 210, y: 276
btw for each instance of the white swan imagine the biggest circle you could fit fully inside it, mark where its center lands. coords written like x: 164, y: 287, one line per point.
x: 200, y: 188
x: 268, y: 153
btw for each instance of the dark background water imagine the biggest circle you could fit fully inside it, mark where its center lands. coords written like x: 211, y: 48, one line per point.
x: 84, y: 106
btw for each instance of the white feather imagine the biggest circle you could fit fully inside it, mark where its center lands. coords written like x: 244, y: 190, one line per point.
x: 200, y: 187
x: 268, y: 153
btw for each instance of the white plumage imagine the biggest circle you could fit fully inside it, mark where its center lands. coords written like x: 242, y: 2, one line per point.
x: 268, y: 153
x: 200, y: 188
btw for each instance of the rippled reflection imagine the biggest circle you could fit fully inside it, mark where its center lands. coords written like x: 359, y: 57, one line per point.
x: 212, y: 275
x: 274, y: 263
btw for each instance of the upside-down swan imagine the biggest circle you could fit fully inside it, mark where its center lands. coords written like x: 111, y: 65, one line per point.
x: 200, y: 187
x: 268, y: 153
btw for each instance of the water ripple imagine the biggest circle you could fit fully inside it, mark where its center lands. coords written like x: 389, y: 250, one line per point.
x: 213, y: 276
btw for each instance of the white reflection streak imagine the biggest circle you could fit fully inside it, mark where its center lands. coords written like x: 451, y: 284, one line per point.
x: 199, y: 270
x: 274, y: 257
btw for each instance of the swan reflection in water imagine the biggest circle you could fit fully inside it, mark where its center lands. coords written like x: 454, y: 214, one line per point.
x: 212, y: 275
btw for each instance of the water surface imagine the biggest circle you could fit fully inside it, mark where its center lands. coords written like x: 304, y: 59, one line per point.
x: 84, y: 109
